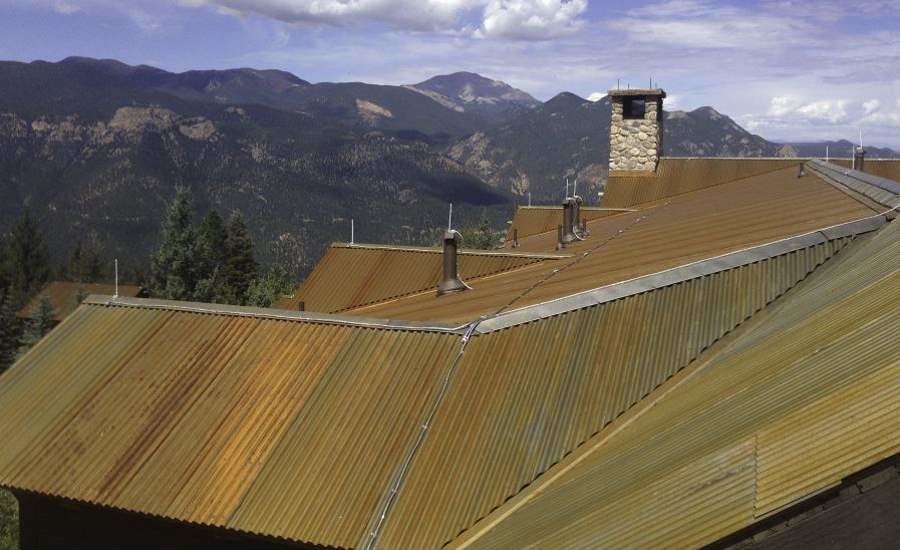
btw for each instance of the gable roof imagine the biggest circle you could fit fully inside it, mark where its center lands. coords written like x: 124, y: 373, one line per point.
x: 64, y: 296
x: 690, y: 227
x: 352, y: 276
x: 805, y: 395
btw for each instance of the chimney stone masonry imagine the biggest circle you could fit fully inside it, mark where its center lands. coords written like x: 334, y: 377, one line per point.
x: 636, y: 129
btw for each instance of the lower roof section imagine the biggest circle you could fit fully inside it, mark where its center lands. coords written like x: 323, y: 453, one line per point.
x: 276, y: 426
x: 65, y: 296
x: 807, y: 393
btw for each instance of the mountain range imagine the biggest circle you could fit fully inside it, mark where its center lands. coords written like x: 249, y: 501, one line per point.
x: 97, y: 147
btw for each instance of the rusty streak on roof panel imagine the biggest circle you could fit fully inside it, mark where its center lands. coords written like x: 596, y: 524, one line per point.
x: 63, y: 296
x: 675, y: 176
x: 531, y: 220
x: 351, y: 277
x: 279, y: 427
x: 810, y: 387
x: 687, y: 228
x: 524, y: 397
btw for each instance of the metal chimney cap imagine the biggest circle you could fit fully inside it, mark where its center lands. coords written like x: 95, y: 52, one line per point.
x: 451, y: 235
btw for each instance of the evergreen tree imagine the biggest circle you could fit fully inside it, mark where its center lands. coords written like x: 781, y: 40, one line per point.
x: 240, y: 267
x: 212, y: 236
x: 481, y: 238
x: 9, y: 333
x: 39, y: 325
x: 265, y: 291
x: 175, y: 266
x: 28, y: 264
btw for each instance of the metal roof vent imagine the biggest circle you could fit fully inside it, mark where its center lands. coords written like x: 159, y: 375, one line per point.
x: 451, y: 281
x: 571, y: 221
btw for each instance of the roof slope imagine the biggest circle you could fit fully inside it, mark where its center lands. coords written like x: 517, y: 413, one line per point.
x: 252, y: 422
x: 806, y: 395
x: 684, y: 229
x: 675, y: 176
x: 522, y: 398
x: 64, y: 296
x: 531, y: 220
x: 351, y: 276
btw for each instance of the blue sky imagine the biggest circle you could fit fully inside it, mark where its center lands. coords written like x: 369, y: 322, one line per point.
x: 786, y: 69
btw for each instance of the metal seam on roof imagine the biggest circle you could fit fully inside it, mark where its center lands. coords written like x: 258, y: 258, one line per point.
x: 677, y: 274
x: 883, y: 191
x: 263, y: 313
x: 429, y: 250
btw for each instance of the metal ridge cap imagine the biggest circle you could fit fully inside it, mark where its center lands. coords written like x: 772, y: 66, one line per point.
x: 666, y: 157
x: 275, y: 314
x: 835, y: 171
x: 589, y: 208
x: 678, y: 274
x: 499, y: 253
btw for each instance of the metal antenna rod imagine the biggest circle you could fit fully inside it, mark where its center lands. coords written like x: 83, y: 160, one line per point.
x: 529, y: 198
x: 352, y: 231
x: 116, y: 267
x: 450, y: 218
x: 567, y: 189
x: 860, y: 138
x: 827, y: 158
x: 575, y: 188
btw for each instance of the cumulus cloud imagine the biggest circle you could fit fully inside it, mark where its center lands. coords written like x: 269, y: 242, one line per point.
x: 833, y: 111
x: 510, y: 19
x: 61, y: 6
x: 596, y: 96
x: 531, y: 19
x: 871, y: 106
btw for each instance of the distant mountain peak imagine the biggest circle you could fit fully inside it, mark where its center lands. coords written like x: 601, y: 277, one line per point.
x: 564, y: 100
x: 467, y: 91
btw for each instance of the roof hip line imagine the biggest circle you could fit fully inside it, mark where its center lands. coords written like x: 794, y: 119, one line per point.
x: 386, y: 504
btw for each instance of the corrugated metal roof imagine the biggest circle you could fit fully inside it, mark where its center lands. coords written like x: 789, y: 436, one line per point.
x: 809, y: 387
x: 885, y: 168
x: 283, y: 427
x: 63, y: 296
x: 688, y: 228
x: 675, y: 176
x: 524, y: 397
x: 350, y: 276
x: 531, y: 220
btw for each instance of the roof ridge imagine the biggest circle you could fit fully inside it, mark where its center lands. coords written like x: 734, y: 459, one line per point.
x: 274, y: 314
x: 677, y: 274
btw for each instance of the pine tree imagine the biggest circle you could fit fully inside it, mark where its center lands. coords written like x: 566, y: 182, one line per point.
x: 265, y: 291
x: 28, y: 264
x: 85, y: 265
x: 240, y: 267
x: 211, y: 239
x: 39, y: 325
x: 9, y: 333
x: 175, y: 266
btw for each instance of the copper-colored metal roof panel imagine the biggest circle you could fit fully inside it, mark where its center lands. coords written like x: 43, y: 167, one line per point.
x: 808, y: 387
x: 283, y: 427
x: 351, y: 276
x: 531, y: 220
x: 525, y: 397
x: 680, y: 230
x: 885, y: 168
x: 675, y: 176
x: 64, y: 296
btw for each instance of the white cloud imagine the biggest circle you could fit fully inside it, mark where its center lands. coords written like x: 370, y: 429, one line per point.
x: 411, y: 14
x: 531, y: 19
x: 596, y: 96
x: 871, y: 106
x: 509, y: 19
x: 61, y: 6
x: 833, y: 111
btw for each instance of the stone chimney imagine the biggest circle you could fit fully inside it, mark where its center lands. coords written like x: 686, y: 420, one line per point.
x: 636, y: 129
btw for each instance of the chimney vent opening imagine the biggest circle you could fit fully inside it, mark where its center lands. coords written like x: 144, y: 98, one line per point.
x: 634, y: 108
